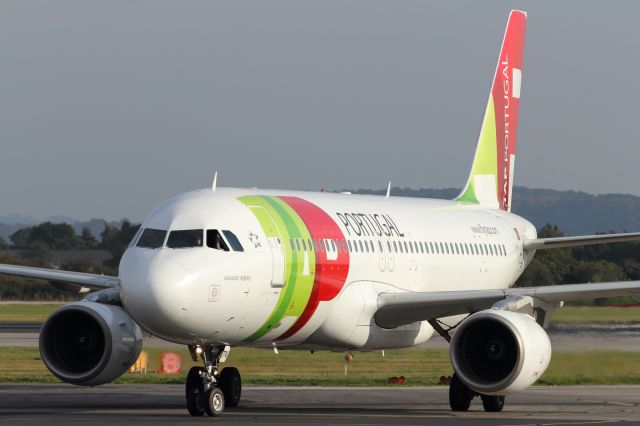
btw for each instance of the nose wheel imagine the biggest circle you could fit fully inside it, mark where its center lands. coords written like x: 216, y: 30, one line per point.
x: 207, y: 390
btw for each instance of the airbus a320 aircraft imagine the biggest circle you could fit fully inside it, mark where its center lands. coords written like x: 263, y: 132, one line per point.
x: 223, y: 267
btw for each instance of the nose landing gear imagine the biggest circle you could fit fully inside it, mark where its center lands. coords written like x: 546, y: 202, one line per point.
x: 207, y: 390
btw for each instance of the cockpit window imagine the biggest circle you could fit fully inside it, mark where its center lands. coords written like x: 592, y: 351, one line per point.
x: 233, y: 240
x: 185, y: 238
x: 152, y: 238
x: 215, y: 240
x: 134, y: 240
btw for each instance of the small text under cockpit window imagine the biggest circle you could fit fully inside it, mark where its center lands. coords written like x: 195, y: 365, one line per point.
x: 215, y: 240
x: 233, y: 240
x: 152, y: 238
x: 185, y: 238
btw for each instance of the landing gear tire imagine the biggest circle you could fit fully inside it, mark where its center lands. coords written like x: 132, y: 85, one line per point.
x: 493, y: 403
x: 194, y: 392
x: 214, y: 402
x: 231, y: 386
x: 460, y: 395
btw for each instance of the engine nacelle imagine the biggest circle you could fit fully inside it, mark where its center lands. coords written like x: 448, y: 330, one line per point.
x: 495, y: 352
x: 89, y: 344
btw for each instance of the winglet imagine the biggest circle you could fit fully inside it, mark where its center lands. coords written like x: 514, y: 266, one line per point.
x: 490, y: 182
x: 214, y: 185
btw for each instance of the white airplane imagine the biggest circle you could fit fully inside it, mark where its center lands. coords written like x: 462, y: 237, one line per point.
x: 223, y: 267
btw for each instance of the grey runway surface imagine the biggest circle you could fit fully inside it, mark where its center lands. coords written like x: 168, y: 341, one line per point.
x: 153, y: 404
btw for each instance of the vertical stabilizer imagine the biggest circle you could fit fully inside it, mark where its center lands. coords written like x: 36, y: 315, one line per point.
x: 491, y: 178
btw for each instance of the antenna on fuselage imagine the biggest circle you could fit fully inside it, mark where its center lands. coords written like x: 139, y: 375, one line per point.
x: 388, y: 190
x: 214, y: 185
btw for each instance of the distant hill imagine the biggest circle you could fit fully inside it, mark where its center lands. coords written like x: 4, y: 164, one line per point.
x: 96, y: 226
x: 574, y: 212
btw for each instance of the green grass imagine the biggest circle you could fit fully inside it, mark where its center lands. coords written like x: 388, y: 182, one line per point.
x: 596, y: 315
x: 418, y: 366
x: 37, y: 313
x: 22, y: 312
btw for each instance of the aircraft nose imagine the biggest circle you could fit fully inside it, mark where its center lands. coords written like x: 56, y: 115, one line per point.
x: 156, y: 294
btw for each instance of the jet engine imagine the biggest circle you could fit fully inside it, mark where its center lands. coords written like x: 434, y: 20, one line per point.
x: 496, y: 352
x: 89, y: 344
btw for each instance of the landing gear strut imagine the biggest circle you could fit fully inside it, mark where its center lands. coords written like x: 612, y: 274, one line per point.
x: 208, y: 391
x: 460, y: 397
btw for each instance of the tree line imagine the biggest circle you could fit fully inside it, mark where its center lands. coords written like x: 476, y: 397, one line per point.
x: 35, y: 246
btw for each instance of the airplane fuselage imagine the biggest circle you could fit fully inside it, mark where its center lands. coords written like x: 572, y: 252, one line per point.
x: 311, y: 265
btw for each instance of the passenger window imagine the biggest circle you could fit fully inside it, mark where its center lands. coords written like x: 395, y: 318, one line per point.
x: 297, y: 244
x: 152, y: 238
x: 215, y: 240
x: 421, y: 247
x: 380, y: 245
x: 315, y: 245
x: 395, y: 247
x: 233, y: 240
x: 361, y: 249
x: 373, y: 249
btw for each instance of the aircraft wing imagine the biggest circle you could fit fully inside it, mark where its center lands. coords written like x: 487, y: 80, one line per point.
x: 559, y: 242
x: 79, y: 280
x: 396, y: 309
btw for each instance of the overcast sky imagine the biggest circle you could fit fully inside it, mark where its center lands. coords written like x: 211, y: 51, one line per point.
x: 109, y: 107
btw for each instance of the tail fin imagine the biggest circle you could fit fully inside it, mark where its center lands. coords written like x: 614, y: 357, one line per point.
x: 491, y: 178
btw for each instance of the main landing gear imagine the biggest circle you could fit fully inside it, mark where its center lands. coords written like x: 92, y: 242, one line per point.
x: 460, y: 397
x: 209, y: 391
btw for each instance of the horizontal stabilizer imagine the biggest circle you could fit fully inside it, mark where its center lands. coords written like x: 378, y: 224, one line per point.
x: 583, y: 240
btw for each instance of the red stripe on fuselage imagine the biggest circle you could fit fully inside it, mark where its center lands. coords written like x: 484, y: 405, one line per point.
x: 330, y: 275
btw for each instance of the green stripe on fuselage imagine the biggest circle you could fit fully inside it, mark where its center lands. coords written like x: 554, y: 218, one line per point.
x: 297, y: 288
